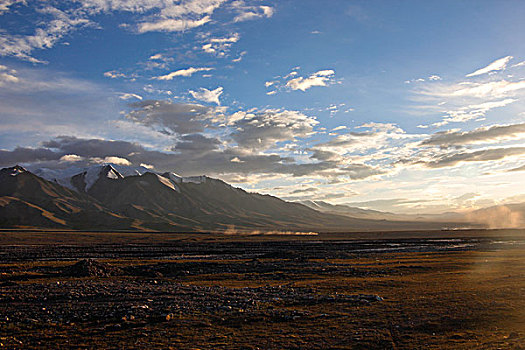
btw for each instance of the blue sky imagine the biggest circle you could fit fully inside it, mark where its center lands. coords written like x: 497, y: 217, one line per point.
x: 394, y: 105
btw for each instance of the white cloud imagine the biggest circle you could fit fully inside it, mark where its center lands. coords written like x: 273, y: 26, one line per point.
x: 147, y: 166
x: 127, y: 96
x: 211, y: 96
x: 156, y: 57
x: 320, y: 78
x: 183, y: 73
x: 172, y: 25
x: 433, y: 77
x: 116, y: 160
x: 231, y: 39
x: 114, y: 75
x: 497, y: 65
x: 7, y: 75
x: 220, y: 46
x: 208, y: 48
x: 241, y: 55
x: 70, y: 158
x: 191, y: 7
x: 166, y: 8
x: 5, y: 4
x: 246, y: 13
x: 262, y: 130
x: 180, y: 16
x: 325, y: 73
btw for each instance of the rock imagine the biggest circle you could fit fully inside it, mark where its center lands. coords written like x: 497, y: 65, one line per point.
x: 513, y: 335
x: 370, y: 297
x: 91, y: 268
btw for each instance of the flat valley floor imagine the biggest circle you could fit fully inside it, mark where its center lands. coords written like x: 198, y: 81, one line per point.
x: 400, y: 290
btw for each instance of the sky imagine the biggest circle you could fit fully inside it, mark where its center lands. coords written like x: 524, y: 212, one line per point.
x: 400, y: 106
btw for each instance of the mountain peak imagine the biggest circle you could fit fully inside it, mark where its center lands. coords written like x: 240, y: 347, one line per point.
x: 95, y: 173
x: 14, y: 171
x: 110, y: 172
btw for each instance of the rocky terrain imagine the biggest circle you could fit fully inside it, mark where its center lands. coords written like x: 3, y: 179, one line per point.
x: 261, y: 292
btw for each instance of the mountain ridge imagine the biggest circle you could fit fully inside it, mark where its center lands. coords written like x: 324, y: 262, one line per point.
x: 102, y: 198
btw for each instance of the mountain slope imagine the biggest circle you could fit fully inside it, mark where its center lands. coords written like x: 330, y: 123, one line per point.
x: 28, y: 200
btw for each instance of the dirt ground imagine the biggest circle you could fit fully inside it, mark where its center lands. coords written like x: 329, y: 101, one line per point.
x: 445, y: 290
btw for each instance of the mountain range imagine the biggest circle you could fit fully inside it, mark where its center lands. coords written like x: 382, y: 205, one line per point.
x: 111, y: 198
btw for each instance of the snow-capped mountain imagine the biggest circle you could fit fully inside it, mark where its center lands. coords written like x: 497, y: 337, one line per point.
x: 102, y: 198
x: 82, y: 179
x: 89, y: 175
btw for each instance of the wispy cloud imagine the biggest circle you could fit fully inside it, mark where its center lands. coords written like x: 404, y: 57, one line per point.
x: 472, y: 112
x: 465, y: 100
x: 497, y: 65
x: 128, y: 96
x: 45, y: 102
x: 483, y: 155
x: 495, y: 133
x: 171, y: 25
x: 60, y: 19
x: 160, y: 15
x: 188, y: 72
x: 114, y: 74
x: 7, y: 75
x: 44, y: 37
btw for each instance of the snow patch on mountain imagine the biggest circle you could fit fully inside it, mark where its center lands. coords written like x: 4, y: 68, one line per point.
x: 168, y: 183
x: 14, y: 171
x: 93, y: 174
x: 126, y: 171
x: 177, y: 179
x: 174, y: 177
x: 90, y: 175
x: 59, y: 176
x: 194, y: 179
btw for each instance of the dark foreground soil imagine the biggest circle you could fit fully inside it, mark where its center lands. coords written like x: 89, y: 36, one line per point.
x: 147, y: 291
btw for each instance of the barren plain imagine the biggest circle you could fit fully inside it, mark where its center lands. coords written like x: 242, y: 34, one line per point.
x: 396, y: 290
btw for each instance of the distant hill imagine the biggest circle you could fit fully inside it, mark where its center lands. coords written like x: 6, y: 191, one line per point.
x: 102, y: 198
x: 347, y: 210
x: 499, y: 216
